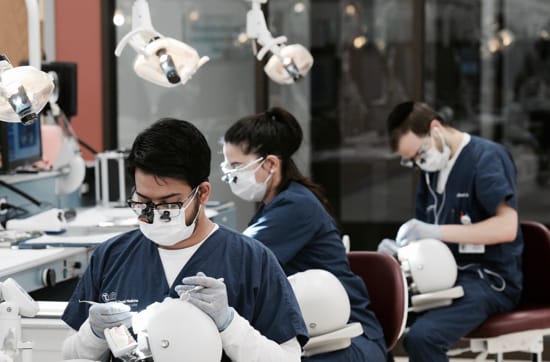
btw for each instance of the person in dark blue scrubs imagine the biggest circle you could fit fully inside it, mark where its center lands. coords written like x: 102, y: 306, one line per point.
x: 466, y: 197
x: 177, y: 248
x: 294, y: 219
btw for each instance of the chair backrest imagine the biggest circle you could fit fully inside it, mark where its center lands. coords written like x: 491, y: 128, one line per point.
x: 536, y: 264
x: 387, y: 289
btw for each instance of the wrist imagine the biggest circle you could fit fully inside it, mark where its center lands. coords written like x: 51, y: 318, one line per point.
x: 230, y: 314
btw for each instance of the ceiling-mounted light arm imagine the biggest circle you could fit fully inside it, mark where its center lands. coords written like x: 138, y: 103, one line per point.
x: 33, y: 26
x: 289, y: 63
x: 256, y: 28
x: 142, y: 29
x: 161, y: 60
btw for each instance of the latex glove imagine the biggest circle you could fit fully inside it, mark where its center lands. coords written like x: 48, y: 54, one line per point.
x: 109, y: 315
x: 388, y: 246
x: 415, y: 229
x: 212, y: 299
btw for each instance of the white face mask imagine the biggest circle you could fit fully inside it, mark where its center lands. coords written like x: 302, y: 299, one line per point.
x: 434, y: 160
x: 166, y: 230
x: 243, y: 182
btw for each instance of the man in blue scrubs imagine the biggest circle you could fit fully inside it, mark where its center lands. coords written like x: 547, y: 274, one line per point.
x: 467, y: 198
x: 176, y: 248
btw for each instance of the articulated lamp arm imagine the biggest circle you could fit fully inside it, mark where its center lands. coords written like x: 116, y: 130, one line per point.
x: 288, y: 63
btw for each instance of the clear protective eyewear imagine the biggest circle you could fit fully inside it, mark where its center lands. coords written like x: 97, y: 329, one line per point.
x: 419, y: 155
x: 230, y: 172
x: 166, y: 210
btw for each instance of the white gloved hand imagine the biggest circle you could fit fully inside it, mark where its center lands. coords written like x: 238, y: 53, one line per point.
x: 414, y: 230
x: 388, y: 246
x: 211, y: 299
x: 109, y: 315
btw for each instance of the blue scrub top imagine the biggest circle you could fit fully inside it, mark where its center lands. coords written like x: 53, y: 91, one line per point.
x: 128, y: 269
x: 298, y: 229
x: 484, y: 174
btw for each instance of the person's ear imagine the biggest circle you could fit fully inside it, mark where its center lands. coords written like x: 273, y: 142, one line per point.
x: 203, y: 192
x: 435, y: 123
x: 272, y: 163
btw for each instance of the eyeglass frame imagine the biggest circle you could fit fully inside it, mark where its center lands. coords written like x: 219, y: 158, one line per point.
x: 154, y: 206
x: 228, y: 174
x: 419, y: 155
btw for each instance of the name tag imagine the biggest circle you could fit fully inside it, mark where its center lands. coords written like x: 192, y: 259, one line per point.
x: 471, y: 248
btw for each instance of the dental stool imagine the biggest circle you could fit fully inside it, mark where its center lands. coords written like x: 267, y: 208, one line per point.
x: 524, y: 328
x: 387, y: 289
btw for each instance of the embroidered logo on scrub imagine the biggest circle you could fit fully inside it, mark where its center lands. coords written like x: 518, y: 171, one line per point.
x: 112, y: 297
x: 462, y: 195
x: 109, y: 297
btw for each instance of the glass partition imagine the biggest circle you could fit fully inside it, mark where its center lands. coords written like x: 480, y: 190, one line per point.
x: 364, y: 65
x: 487, y: 65
x: 222, y: 91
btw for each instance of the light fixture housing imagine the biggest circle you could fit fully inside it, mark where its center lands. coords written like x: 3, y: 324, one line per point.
x: 24, y: 91
x: 161, y: 60
x: 295, y: 64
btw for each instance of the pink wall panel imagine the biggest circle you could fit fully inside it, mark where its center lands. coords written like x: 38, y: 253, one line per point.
x: 78, y: 39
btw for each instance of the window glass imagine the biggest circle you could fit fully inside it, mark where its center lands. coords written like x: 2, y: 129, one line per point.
x: 221, y: 91
x: 364, y: 66
x: 487, y: 66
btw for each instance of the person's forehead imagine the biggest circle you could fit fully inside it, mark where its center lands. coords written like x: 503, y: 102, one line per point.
x: 155, y: 187
x: 409, y: 144
x: 234, y: 153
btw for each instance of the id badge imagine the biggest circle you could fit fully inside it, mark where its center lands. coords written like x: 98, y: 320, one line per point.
x: 471, y: 248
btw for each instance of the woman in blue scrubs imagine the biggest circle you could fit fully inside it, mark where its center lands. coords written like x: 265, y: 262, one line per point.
x: 177, y: 248
x: 466, y: 197
x: 293, y: 219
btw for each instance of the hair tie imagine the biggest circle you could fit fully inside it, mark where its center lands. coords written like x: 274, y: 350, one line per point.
x: 271, y: 115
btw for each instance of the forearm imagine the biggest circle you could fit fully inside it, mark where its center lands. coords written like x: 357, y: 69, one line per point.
x: 242, y: 343
x: 500, y: 228
x: 84, y: 344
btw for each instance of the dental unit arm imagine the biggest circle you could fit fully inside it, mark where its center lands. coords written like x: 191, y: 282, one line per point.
x: 172, y: 330
x: 161, y: 60
x: 14, y: 303
x: 289, y: 63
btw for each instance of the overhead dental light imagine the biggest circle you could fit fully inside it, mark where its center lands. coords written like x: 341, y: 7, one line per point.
x: 164, y: 61
x: 24, y: 91
x: 289, y: 63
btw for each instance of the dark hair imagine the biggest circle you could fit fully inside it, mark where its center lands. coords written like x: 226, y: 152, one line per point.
x: 171, y: 148
x: 274, y: 132
x: 410, y: 116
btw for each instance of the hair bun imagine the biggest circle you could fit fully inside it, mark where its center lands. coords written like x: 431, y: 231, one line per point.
x: 288, y: 128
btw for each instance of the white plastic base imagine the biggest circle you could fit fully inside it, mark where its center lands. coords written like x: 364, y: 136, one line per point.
x: 422, y: 302
x: 332, y: 341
